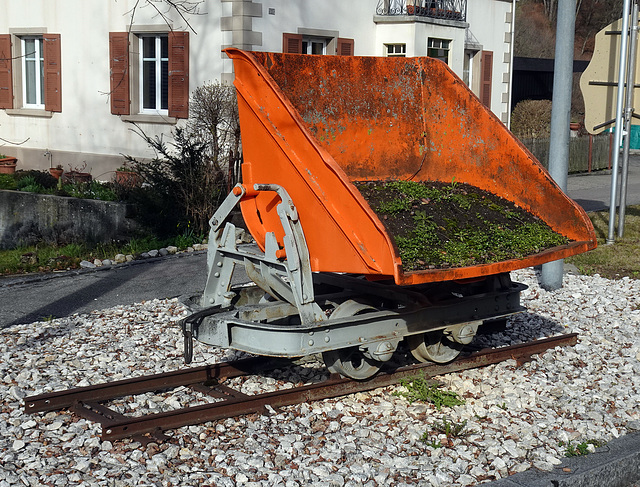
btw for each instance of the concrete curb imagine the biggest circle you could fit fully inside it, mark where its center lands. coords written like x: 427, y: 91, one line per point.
x: 617, y: 464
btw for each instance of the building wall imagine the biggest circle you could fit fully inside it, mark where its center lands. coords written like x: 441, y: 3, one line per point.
x: 491, y: 25
x: 85, y: 131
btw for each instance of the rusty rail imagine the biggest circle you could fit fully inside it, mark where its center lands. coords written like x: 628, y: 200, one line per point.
x: 85, y: 401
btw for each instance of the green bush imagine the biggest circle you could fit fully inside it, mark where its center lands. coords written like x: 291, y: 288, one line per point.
x: 95, y: 190
x: 531, y: 118
x: 7, y: 181
x: 183, y: 187
x: 40, y: 178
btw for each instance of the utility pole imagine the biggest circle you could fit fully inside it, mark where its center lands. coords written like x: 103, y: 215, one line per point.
x: 619, y: 109
x: 628, y: 113
x: 551, y: 277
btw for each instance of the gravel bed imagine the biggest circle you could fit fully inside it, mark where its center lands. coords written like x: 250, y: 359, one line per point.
x: 517, y: 418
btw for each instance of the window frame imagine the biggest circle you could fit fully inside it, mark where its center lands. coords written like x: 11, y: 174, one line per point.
x: 38, y: 72
x: 13, y: 76
x: 158, y: 62
x: 309, y: 41
x: 402, y: 53
x: 334, y: 44
x: 441, y: 47
x: 126, y: 97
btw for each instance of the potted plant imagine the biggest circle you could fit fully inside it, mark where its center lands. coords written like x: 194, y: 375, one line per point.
x: 125, y: 176
x: 7, y: 164
x: 77, y: 175
x: 57, y: 171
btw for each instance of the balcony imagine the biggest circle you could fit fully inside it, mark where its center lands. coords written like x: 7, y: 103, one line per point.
x: 425, y: 9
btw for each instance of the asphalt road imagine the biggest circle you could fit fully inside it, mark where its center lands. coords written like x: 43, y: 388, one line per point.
x: 26, y: 299
x: 593, y: 191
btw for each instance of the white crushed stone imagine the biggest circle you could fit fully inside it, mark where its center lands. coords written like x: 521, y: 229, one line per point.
x: 516, y: 418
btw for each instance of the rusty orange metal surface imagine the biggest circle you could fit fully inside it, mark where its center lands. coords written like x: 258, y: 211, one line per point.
x: 315, y: 124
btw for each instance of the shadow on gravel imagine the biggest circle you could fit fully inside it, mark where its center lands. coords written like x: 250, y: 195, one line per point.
x: 520, y: 328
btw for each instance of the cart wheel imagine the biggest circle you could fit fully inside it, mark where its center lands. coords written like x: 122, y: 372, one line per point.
x: 351, y: 362
x: 433, y: 347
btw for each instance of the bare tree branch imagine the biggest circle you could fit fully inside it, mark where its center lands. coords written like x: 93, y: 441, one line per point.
x: 184, y: 9
x: 13, y: 143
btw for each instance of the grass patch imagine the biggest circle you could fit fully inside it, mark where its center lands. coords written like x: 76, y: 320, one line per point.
x: 425, y: 390
x: 616, y: 260
x: 49, y: 258
x: 579, y: 449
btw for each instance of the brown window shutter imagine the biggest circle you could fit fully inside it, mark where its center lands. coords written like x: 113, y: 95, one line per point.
x: 119, y: 72
x: 345, y: 47
x: 6, y: 74
x: 292, y: 43
x: 486, y: 66
x: 52, y: 73
x: 179, y: 74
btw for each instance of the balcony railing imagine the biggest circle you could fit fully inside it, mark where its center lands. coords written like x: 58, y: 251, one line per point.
x: 435, y: 9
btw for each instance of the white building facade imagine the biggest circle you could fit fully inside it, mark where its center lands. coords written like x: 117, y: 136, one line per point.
x: 74, y: 73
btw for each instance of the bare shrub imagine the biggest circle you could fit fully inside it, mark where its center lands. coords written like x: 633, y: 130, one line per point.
x: 182, y: 188
x: 531, y: 118
x: 213, y: 118
x: 190, y: 175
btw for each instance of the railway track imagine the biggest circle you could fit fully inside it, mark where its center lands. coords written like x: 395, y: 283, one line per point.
x: 88, y: 402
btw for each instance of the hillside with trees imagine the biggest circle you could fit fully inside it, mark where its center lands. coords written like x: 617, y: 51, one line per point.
x: 536, y: 26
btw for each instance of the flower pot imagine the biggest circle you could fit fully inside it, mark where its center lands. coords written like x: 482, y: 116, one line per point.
x: 8, y: 165
x: 574, y: 126
x: 55, y: 172
x: 77, y: 177
x: 128, y: 179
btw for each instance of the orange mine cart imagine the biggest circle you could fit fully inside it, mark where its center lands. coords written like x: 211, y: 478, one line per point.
x: 326, y: 275
x: 314, y: 124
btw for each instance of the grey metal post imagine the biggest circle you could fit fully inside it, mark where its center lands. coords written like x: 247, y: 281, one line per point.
x: 551, y: 277
x: 618, y: 138
x: 628, y: 113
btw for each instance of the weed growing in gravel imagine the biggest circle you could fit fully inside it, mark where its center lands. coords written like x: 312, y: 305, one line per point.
x: 579, y: 449
x: 432, y: 443
x: 450, y: 428
x: 425, y: 390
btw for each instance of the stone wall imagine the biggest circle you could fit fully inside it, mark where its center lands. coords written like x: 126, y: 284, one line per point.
x: 26, y: 218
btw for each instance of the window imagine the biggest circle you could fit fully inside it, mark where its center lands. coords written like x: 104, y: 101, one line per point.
x: 311, y: 45
x: 30, y: 73
x: 439, y: 49
x: 467, y: 68
x: 149, y: 74
x: 395, y: 50
x: 154, y: 69
x: 304, y: 44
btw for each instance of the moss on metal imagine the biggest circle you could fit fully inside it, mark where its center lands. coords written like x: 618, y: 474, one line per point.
x: 437, y: 225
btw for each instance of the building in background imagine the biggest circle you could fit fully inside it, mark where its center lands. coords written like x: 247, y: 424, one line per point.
x: 74, y: 74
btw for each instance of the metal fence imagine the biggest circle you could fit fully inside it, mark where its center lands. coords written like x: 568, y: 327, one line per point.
x: 587, y: 153
x: 437, y: 9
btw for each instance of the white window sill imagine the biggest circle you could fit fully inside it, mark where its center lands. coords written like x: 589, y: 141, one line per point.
x: 144, y: 118
x: 29, y: 112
